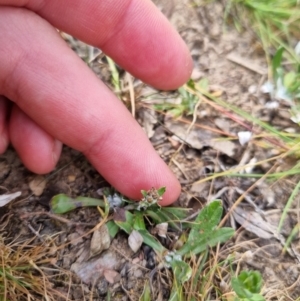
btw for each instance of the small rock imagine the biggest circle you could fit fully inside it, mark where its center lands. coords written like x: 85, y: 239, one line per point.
x: 37, y: 185
x: 162, y: 229
x: 78, y: 293
x: 100, y: 241
x: 75, y: 239
x: 136, y: 260
x: 196, y: 74
x: 138, y: 273
x: 91, y: 271
x: 125, y: 269
x: 252, y: 89
x: 102, y: 287
x: 135, y: 240
x: 71, y: 178
x: 111, y: 276
x: 215, y: 30
x: 67, y: 260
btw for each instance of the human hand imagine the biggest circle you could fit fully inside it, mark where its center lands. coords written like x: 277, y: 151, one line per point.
x: 55, y: 98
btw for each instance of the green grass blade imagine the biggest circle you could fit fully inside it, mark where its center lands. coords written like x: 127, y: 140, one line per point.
x: 276, y: 62
x: 152, y: 242
x: 288, y: 205
x: 146, y: 295
x: 248, y: 117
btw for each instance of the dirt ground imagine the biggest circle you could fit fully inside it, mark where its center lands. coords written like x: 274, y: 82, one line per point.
x: 234, y: 65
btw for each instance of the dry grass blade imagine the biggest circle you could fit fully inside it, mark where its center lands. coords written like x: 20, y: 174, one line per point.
x: 23, y: 273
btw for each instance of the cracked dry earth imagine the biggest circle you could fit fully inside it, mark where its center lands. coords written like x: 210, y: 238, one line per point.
x: 217, y: 51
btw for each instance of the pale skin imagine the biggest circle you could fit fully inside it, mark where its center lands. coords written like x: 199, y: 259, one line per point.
x: 50, y: 97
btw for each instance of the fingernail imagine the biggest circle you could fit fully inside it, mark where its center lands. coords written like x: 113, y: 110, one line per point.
x: 56, y: 151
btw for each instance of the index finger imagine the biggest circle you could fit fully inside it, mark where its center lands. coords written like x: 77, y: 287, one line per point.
x: 133, y: 32
x: 54, y: 87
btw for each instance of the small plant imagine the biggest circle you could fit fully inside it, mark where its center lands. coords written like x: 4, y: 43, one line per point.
x: 285, y: 85
x: 203, y: 232
x: 187, y: 102
x: 247, y: 286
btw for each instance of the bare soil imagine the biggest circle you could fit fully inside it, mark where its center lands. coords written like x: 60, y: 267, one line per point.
x: 235, y: 67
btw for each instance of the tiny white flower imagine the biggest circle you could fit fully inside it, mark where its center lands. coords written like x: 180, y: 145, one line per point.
x: 244, y: 137
x: 272, y: 105
x: 267, y: 87
x: 114, y: 201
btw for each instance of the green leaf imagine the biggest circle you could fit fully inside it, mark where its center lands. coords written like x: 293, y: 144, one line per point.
x: 139, y: 223
x: 177, y: 111
x: 144, y: 193
x: 61, y: 203
x: 176, y: 213
x: 276, y: 63
x: 207, y: 220
x: 252, y: 280
x: 124, y: 219
x: 202, y: 242
x: 239, y: 289
x: 203, y: 84
x: 191, y: 84
x: 161, y: 191
x: 161, y: 216
x: 257, y: 297
x: 204, y: 232
x: 113, y: 228
x: 154, y: 216
x: 152, y: 242
x: 106, y: 207
x: 171, y: 215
